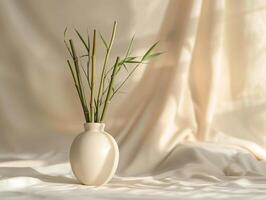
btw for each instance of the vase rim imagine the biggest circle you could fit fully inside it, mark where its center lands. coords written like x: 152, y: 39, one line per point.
x: 94, y: 126
x: 94, y: 123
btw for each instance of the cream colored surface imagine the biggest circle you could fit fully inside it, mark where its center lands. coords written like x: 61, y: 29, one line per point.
x: 94, y: 155
x: 191, y: 126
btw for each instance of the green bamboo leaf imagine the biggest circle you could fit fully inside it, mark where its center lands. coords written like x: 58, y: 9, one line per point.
x: 65, y: 31
x: 103, y: 40
x: 130, y: 58
x: 82, y: 40
x: 125, y: 60
x: 119, y: 64
x: 153, y: 55
x: 130, y: 46
x: 125, y: 67
x: 149, y: 51
x: 134, y: 61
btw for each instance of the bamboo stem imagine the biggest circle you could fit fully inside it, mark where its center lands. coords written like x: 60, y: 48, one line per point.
x: 106, y: 103
x: 93, y: 75
x: 78, y: 81
x: 96, y: 107
x: 77, y: 89
x: 88, y: 61
x: 105, y: 64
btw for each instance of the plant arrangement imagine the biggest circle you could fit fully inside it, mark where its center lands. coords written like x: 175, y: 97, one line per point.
x: 97, y: 95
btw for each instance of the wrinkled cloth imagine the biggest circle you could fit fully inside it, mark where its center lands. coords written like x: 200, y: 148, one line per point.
x: 200, y: 171
x: 189, y: 125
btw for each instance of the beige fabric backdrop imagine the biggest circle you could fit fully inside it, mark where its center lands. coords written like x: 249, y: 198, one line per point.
x: 211, y: 82
x: 209, y: 87
x: 38, y: 99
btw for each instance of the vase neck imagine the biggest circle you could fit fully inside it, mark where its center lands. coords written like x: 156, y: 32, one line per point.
x: 94, y: 126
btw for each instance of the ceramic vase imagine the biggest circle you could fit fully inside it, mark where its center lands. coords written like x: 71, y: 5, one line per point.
x: 94, y: 155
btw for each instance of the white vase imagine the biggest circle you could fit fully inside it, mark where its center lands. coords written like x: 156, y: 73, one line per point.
x: 94, y: 155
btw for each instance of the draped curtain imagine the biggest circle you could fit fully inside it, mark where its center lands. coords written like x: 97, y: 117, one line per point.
x: 203, y: 101
x: 209, y: 85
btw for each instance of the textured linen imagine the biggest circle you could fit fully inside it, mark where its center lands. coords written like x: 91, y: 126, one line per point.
x: 190, y: 126
x: 200, y: 171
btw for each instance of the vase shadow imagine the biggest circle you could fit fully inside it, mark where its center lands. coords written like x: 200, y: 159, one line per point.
x: 11, y: 172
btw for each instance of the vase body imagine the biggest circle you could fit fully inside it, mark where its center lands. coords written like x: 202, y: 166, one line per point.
x: 94, y: 155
